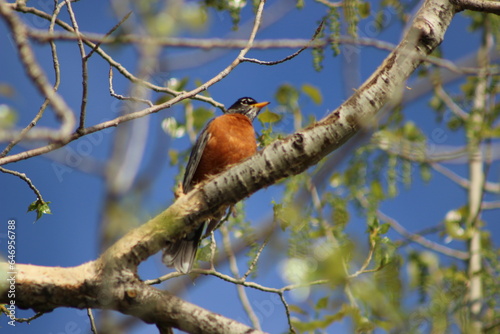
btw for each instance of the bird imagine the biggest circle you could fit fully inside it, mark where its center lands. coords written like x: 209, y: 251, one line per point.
x: 224, y: 141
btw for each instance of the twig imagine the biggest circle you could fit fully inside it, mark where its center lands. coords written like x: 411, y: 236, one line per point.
x: 4, y: 310
x: 455, y: 108
x: 24, y: 131
x: 198, y: 43
x: 30, y: 319
x: 490, y: 205
x: 93, y: 327
x: 233, y: 266
x: 121, y: 97
x: 83, y: 106
x: 479, y: 5
x: 213, y: 249
x: 23, y: 177
x: 287, y: 312
x: 161, y: 89
x: 293, y: 55
x: 423, y: 241
x: 331, y: 4
x: 57, y: 75
x: 98, y: 44
x: 147, y: 111
x: 417, y: 151
x: 163, y: 278
x: 366, y: 263
x: 417, y: 238
x: 491, y: 187
x: 332, y: 240
x: 462, y: 182
x: 256, y: 258
x: 35, y: 72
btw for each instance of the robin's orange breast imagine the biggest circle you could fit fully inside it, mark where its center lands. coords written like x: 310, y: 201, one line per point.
x: 232, y: 139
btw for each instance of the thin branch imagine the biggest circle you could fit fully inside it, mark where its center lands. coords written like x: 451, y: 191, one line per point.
x: 213, y: 250
x: 27, y: 320
x: 270, y: 63
x: 93, y: 327
x: 112, y: 30
x: 366, y: 263
x: 233, y: 266
x: 332, y: 240
x: 490, y: 205
x: 121, y: 97
x: 421, y: 240
x: 85, y: 76
x: 23, y: 132
x: 21, y: 7
x: 491, y: 187
x: 163, y: 278
x: 331, y: 4
x: 198, y: 43
x: 35, y: 72
x: 462, y: 182
x: 417, y: 151
x: 488, y: 6
x: 455, y: 108
x: 26, y: 179
x: 287, y: 312
x: 257, y: 256
x: 57, y: 75
x: 144, y: 112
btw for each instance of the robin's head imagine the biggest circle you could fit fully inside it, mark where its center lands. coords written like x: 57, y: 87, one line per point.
x: 247, y: 106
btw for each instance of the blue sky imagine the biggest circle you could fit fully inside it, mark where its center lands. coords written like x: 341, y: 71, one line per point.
x: 69, y: 236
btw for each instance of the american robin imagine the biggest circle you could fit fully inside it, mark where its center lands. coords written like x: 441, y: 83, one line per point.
x: 225, y: 140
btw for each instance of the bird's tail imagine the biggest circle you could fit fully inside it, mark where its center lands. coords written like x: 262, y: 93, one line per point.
x: 181, y: 254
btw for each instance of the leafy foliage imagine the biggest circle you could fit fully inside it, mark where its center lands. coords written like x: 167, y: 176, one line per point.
x: 40, y: 207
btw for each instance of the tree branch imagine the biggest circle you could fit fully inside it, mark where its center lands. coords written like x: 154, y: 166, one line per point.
x: 35, y: 72
x: 141, y: 113
x: 111, y: 281
x: 488, y: 6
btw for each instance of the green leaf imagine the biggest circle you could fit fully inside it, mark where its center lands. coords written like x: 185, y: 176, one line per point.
x: 176, y: 84
x: 8, y: 117
x: 41, y: 208
x: 493, y: 133
x: 269, y: 117
x: 313, y: 93
x: 425, y: 172
x: 174, y: 129
x: 412, y: 132
x: 201, y: 116
x: 384, y: 228
x: 287, y: 95
x: 322, y: 303
x: 335, y: 26
x: 364, y: 9
x: 377, y: 190
x: 174, y: 157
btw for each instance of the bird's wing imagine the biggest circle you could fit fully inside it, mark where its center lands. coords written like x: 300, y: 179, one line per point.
x: 195, y: 157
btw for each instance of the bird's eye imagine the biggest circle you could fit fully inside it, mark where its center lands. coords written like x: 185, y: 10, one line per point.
x: 247, y: 101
